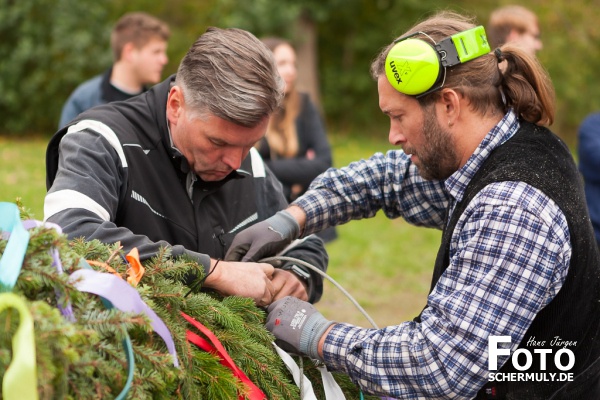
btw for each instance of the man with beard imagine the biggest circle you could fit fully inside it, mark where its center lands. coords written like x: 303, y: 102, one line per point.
x: 517, y: 262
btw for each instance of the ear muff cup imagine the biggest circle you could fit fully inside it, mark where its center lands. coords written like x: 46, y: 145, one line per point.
x: 412, y: 66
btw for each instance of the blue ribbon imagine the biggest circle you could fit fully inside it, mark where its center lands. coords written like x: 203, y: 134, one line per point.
x: 14, y: 253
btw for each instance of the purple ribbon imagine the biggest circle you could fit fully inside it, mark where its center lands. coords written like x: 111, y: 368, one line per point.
x: 122, y: 296
x: 110, y: 287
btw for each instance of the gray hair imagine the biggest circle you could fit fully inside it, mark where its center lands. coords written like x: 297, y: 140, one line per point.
x: 231, y: 74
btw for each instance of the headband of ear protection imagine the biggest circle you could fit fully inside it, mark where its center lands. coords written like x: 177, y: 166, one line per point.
x: 416, y: 67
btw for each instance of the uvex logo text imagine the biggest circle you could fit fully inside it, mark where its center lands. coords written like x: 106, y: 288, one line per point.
x: 395, y: 71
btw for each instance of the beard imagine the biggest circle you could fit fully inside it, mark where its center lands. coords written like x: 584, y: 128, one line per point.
x: 437, y: 160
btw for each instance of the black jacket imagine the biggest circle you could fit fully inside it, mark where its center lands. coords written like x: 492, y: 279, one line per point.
x: 113, y: 175
x: 311, y: 136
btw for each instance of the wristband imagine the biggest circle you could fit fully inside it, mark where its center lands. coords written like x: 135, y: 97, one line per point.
x: 298, y: 271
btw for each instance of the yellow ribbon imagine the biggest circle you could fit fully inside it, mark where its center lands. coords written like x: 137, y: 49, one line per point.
x: 20, y: 378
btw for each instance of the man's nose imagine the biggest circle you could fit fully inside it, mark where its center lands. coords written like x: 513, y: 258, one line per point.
x: 395, y: 137
x: 233, y: 158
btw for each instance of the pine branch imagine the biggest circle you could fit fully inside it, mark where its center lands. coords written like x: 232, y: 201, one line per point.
x: 86, y: 359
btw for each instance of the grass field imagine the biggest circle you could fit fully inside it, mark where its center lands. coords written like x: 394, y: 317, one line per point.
x: 23, y: 172
x: 385, y: 265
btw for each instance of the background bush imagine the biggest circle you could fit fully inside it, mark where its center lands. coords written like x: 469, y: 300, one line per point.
x: 47, y: 47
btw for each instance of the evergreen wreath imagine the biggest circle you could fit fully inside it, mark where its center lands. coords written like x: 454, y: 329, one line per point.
x: 85, y: 359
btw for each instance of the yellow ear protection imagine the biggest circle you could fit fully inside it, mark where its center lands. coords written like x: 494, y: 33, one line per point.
x: 416, y: 67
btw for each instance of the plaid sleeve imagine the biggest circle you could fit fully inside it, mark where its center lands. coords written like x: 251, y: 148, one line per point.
x: 510, y: 254
x: 387, y: 182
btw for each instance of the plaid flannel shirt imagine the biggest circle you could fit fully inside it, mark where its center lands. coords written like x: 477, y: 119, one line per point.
x: 509, y: 256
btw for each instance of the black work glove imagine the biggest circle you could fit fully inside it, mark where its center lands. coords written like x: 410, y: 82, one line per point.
x: 297, y: 325
x: 265, y: 239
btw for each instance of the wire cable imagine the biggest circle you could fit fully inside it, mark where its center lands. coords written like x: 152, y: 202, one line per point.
x: 323, y: 274
x: 337, y: 285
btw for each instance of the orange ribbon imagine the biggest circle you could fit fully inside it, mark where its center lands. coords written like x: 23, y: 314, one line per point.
x: 136, y: 270
x: 103, y: 265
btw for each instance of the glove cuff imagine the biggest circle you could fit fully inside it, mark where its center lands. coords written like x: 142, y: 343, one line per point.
x: 311, y: 334
x: 289, y: 225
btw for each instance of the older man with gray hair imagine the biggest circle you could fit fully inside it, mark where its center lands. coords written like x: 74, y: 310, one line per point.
x: 175, y: 167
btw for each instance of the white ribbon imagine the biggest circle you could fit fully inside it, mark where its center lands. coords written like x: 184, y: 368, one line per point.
x: 331, y: 387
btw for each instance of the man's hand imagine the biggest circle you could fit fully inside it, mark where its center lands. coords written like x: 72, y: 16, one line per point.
x: 286, y: 283
x: 297, y: 325
x: 264, y: 239
x: 243, y: 279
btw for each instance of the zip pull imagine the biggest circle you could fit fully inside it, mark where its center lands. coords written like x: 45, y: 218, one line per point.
x: 190, y: 180
x: 220, y: 237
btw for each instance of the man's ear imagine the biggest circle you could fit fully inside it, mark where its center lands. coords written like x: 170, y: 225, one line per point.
x: 449, y: 106
x: 513, y: 36
x: 175, y: 103
x: 127, y: 51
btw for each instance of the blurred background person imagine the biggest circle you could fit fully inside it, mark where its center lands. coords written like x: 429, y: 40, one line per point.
x: 588, y: 149
x: 514, y: 24
x: 296, y: 147
x: 139, y: 45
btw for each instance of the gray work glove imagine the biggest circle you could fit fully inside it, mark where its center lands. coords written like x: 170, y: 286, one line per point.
x: 297, y: 325
x: 265, y: 239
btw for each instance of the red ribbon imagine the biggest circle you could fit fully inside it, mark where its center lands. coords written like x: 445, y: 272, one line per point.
x: 217, y: 348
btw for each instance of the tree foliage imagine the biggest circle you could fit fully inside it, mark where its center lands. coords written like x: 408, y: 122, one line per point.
x: 48, y: 47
